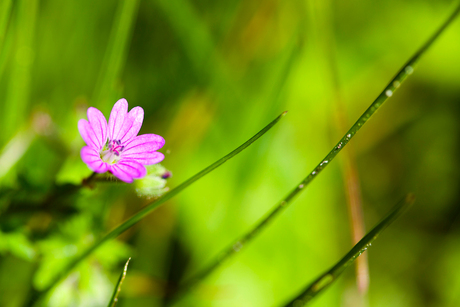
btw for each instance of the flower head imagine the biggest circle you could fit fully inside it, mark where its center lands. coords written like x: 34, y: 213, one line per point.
x: 116, y: 147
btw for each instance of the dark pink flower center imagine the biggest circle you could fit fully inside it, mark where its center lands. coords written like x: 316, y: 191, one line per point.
x: 112, y: 151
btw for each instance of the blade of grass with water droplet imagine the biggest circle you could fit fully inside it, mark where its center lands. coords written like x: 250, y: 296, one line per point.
x: 150, y: 207
x: 114, y: 300
x: 387, y: 92
x: 323, y: 281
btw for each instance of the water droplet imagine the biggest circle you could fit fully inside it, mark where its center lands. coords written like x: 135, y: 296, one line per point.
x: 301, y: 186
x: 409, y: 70
x: 70, y: 250
x: 313, y: 173
x: 298, y: 303
x: 396, y: 84
x: 237, y: 246
x: 349, y: 135
x: 389, y: 93
x: 323, y: 282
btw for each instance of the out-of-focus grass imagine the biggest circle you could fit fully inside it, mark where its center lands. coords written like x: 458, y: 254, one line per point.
x: 207, y: 72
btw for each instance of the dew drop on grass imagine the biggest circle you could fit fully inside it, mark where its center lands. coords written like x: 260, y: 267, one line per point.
x: 349, y: 135
x: 298, y: 303
x: 409, y: 70
x: 301, y: 186
x: 396, y: 84
x: 323, y: 282
x: 237, y: 246
x: 313, y: 173
x: 389, y: 93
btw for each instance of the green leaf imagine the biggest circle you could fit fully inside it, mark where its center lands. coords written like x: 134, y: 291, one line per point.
x: 113, y: 301
x: 326, y: 279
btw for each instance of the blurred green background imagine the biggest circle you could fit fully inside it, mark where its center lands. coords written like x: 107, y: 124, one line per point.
x: 209, y: 75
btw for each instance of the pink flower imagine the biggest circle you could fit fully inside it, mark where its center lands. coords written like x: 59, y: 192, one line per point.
x: 116, y: 147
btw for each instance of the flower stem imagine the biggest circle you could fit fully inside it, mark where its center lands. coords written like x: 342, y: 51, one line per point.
x: 88, y: 182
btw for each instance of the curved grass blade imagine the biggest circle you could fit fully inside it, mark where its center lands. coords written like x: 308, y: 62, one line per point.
x: 388, y: 91
x: 330, y: 276
x: 114, y: 300
x: 151, y: 206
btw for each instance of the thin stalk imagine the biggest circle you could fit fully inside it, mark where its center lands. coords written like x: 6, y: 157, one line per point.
x: 5, y: 33
x: 114, y: 300
x: 149, y: 208
x: 5, y: 10
x: 326, y: 279
x: 89, y: 181
x: 349, y: 170
x: 355, y: 213
x: 388, y: 91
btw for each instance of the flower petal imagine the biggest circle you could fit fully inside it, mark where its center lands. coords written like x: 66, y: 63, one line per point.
x: 128, y: 170
x: 99, y: 124
x: 87, y: 133
x: 144, y: 143
x: 132, y: 125
x: 117, y: 118
x: 92, y: 158
x: 145, y: 158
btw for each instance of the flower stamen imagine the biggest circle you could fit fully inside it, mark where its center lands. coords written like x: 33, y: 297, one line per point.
x: 111, y: 151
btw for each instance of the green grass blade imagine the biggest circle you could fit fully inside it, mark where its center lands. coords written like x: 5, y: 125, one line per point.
x: 330, y: 276
x: 388, y: 91
x: 191, y: 32
x: 17, y: 99
x: 113, y: 301
x: 151, y: 206
x: 115, y: 56
x: 5, y: 10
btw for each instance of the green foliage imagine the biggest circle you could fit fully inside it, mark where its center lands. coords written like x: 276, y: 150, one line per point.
x: 209, y: 73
